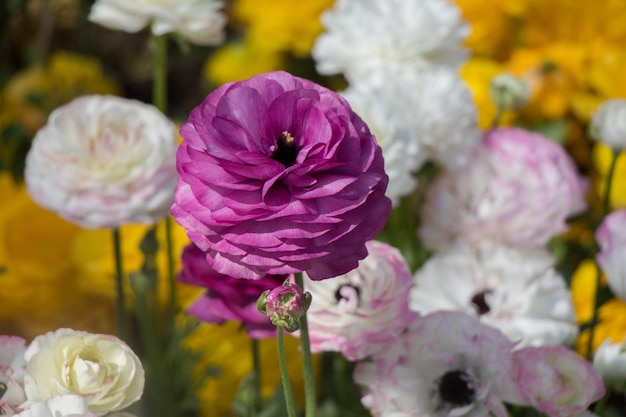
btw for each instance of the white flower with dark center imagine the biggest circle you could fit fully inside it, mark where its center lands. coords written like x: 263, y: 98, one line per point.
x: 401, y: 151
x: 517, y: 291
x: 199, y: 21
x: 447, y: 365
x: 361, y: 311
x: 364, y: 35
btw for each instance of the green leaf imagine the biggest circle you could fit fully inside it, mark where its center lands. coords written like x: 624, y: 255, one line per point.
x: 552, y: 129
x: 247, y: 396
x: 276, y: 405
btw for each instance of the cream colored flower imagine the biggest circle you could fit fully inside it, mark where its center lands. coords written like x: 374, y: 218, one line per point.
x: 104, y: 161
x: 199, y: 21
x: 100, y: 368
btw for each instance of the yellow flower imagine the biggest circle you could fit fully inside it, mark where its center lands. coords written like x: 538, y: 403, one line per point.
x: 602, y: 156
x: 228, y: 347
x: 611, y: 314
x: 478, y: 73
x: 282, y: 25
x: 238, y: 60
x: 32, y: 94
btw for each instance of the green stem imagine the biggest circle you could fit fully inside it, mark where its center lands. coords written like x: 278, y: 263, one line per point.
x: 498, y: 117
x: 282, y: 363
x: 606, y: 207
x: 307, y: 362
x: 159, y: 82
x: 169, y: 248
x: 119, y: 284
x: 256, y: 367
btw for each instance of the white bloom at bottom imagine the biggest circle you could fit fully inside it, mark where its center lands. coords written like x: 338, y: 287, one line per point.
x: 610, y: 362
x: 61, y: 406
x: 104, y: 161
x: 517, y: 291
x: 100, y: 368
x: 447, y: 365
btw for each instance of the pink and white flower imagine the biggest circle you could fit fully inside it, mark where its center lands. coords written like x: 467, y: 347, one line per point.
x: 361, y: 311
x: 199, y: 21
x: 104, y: 161
x: 611, y: 237
x: 515, y: 290
x: 447, y: 364
x: 519, y: 190
x: 555, y: 380
x: 12, y: 364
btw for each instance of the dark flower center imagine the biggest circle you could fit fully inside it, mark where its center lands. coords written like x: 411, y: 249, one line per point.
x: 286, y: 151
x: 347, y: 292
x: 479, y: 301
x: 3, y: 389
x: 457, y: 388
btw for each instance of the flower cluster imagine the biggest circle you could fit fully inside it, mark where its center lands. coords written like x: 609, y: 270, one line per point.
x: 68, y: 373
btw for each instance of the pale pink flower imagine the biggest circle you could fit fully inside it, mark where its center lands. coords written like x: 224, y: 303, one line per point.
x: 519, y: 189
x: 516, y: 290
x: 555, y: 380
x: 104, y: 161
x: 12, y: 364
x: 447, y: 364
x: 361, y: 311
x: 611, y: 237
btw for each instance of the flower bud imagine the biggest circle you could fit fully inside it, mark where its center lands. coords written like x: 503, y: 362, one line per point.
x: 285, y: 305
x: 610, y: 362
x: 508, y: 91
x: 608, y: 124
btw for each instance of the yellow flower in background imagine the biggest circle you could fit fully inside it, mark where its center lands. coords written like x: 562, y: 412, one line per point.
x: 38, y: 276
x: 33, y: 93
x: 282, y: 25
x: 228, y: 347
x: 238, y: 60
x: 478, y: 73
x: 612, y: 314
x: 602, y: 156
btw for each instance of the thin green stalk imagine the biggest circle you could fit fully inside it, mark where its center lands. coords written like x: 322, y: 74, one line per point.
x: 169, y: 248
x: 498, y: 117
x: 256, y: 367
x: 310, y: 400
x: 119, y: 284
x: 282, y: 364
x: 606, y: 207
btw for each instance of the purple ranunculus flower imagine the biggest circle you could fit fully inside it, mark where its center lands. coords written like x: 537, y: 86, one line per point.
x: 227, y: 298
x: 278, y: 175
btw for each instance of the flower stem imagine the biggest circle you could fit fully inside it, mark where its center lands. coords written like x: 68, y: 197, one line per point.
x: 498, y: 117
x: 119, y: 284
x: 307, y: 362
x: 159, y: 82
x: 282, y: 363
x: 606, y: 207
x: 169, y: 249
x: 256, y: 367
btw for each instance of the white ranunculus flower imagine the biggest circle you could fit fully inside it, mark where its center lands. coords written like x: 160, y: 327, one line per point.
x: 611, y: 237
x: 60, y: 406
x: 104, y: 161
x: 362, y: 36
x: 610, y: 362
x: 517, y: 291
x: 401, y: 151
x: 100, y: 368
x: 12, y: 364
x: 608, y: 124
x: 199, y: 21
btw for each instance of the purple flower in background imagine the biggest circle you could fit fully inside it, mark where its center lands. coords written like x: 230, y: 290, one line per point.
x: 227, y: 298
x: 278, y: 175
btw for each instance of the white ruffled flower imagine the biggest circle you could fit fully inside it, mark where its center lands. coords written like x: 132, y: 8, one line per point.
x: 517, y: 291
x: 60, y: 406
x: 447, y: 365
x: 610, y: 362
x: 100, y: 368
x: 608, y: 124
x: 611, y: 237
x: 519, y: 189
x: 363, y: 36
x: 403, y: 158
x: 104, y: 161
x: 361, y: 311
x: 199, y: 21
